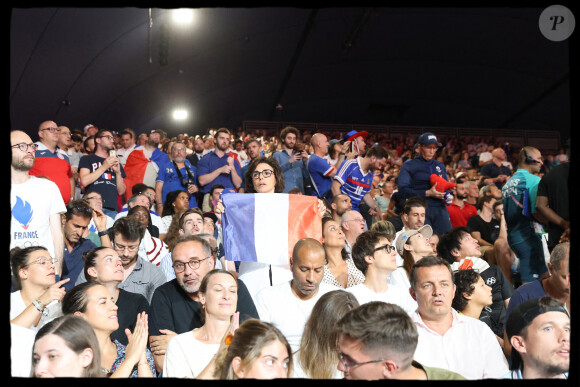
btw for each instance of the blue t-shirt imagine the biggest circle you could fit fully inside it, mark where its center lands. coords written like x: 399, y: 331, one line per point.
x: 209, y: 163
x: 171, y: 181
x: 319, y: 169
x: 353, y: 182
x: 527, y: 291
x: 73, y: 261
x: 519, y: 202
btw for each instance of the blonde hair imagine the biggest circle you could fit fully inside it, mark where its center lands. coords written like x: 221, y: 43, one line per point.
x: 318, y: 352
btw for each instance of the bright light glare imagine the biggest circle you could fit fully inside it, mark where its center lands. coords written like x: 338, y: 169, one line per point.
x: 179, y: 114
x: 183, y: 15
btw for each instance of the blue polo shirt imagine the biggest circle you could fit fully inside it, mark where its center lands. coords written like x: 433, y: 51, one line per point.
x: 171, y: 181
x: 209, y: 163
x: 73, y: 262
x: 353, y: 182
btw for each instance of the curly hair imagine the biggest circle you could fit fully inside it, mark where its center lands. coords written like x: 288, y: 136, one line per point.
x: 278, y: 174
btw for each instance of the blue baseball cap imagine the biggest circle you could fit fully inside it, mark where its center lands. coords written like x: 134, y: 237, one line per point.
x: 428, y: 138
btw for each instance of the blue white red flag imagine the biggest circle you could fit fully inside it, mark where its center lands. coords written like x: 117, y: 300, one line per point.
x: 264, y: 227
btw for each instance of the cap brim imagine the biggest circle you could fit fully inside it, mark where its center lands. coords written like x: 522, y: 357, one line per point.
x: 362, y: 133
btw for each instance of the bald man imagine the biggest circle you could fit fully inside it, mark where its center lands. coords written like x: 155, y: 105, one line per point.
x: 52, y: 162
x: 289, y: 304
x: 320, y: 170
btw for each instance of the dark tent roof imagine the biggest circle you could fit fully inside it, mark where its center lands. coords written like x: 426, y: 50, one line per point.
x: 451, y: 67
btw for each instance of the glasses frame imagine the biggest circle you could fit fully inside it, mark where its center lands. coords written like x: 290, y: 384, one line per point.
x: 387, y: 247
x: 191, y: 263
x: 43, y: 259
x: 32, y: 146
x: 257, y: 174
x: 352, y: 365
x: 52, y: 130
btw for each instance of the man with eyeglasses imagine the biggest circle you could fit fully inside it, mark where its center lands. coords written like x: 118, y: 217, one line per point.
x: 377, y: 340
x: 375, y: 256
x: 353, y: 224
x: 52, y: 162
x: 448, y: 339
x: 175, y: 306
x: 102, y: 172
x: 177, y: 174
x: 36, y: 204
x: 139, y: 275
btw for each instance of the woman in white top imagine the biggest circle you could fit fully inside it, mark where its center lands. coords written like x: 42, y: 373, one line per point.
x: 318, y: 354
x: 339, y: 269
x: 38, y: 299
x: 412, y: 245
x: 191, y: 354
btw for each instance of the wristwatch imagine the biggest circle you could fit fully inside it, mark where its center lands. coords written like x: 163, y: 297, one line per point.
x: 103, y: 233
x: 38, y: 305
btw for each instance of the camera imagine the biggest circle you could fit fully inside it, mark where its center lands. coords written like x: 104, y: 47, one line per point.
x: 186, y: 181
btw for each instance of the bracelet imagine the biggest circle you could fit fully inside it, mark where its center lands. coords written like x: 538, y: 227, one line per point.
x: 103, y: 233
x: 38, y: 305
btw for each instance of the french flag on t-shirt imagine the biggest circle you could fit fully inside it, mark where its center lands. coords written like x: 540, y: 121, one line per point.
x: 265, y: 227
x: 107, y: 176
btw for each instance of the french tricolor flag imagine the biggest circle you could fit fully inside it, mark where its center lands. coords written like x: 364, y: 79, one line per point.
x: 264, y: 227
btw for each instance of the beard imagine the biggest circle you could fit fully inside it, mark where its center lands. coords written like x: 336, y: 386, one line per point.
x: 23, y: 165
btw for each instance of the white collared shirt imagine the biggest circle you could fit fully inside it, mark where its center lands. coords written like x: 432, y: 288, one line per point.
x: 469, y: 348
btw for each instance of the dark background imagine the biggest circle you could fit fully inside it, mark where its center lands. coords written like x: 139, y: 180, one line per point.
x: 487, y: 67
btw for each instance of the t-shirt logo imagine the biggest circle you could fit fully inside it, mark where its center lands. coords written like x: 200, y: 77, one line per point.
x: 490, y: 281
x: 22, y: 212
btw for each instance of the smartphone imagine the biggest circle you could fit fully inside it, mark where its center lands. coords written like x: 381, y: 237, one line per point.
x: 113, y: 153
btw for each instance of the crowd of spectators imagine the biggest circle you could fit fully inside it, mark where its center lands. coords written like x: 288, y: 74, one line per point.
x: 455, y: 248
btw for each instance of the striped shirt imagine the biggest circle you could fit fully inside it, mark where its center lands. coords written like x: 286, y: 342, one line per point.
x: 353, y: 182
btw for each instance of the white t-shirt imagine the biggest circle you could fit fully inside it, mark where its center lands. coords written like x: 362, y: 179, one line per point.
x: 394, y: 295
x: 399, y: 278
x: 278, y: 305
x: 17, y: 306
x: 469, y: 348
x: 32, y: 203
x: 256, y: 275
x: 21, y: 350
x: 186, y: 357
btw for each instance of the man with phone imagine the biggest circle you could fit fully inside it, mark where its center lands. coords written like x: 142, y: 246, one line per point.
x: 103, y: 173
x: 292, y: 159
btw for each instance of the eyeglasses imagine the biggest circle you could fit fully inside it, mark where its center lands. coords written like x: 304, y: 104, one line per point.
x: 387, y: 248
x: 44, y: 261
x: 97, y: 198
x: 360, y: 220
x: 86, y: 209
x: 193, y: 264
x: 352, y: 365
x: 107, y: 136
x: 265, y: 173
x: 52, y: 130
x: 120, y: 248
x: 24, y: 147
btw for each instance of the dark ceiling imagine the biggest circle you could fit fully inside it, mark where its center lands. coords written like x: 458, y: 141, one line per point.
x: 452, y: 67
